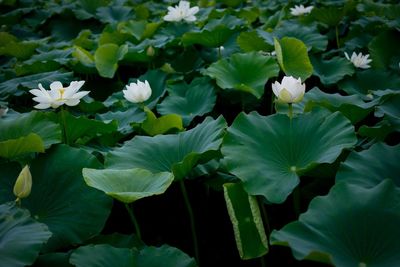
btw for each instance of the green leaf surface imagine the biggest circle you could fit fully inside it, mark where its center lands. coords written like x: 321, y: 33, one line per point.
x: 27, y: 132
x: 25, y: 144
x: 370, y: 167
x: 12, y: 86
x: 367, y: 81
x: 21, y: 237
x: 353, y: 106
x: 384, y: 50
x: 279, y: 151
x: 10, y: 46
x: 176, y: 153
x: 351, y: 226
x: 308, y: 34
x: 106, y: 59
x: 164, y: 124
x: 86, y: 129
x: 169, y: 256
x: 255, y: 41
x: 128, y: 185
x: 101, y: 256
x: 245, y: 216
x: 214, y: 34
x: 189, y: 100
x: 247, y: 72
x: 333, y: 70
x: 330, y: 15
x: 293, y: 57
x: 113, y: 13
x: 60, y: 198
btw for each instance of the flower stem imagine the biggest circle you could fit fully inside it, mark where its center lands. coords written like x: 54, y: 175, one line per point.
x: 264, y: 215
x: 290, y: 112
x: 262, y: 259
x: 64, y: 125
x: 337, y: 36
x: 297, y: 201
x: 192, y: 221
x: 134, y: 221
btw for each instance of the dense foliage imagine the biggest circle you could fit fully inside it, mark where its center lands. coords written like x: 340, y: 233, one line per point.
x: 180, y: 134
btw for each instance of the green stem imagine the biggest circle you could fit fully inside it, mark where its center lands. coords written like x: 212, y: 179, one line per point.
x: 337, y: 36
x: 192, y: 221
x: 262, y: 259
x: 290, y: 112
x: 64, y: 125
x: 297, y: 201
x: 219, y: 52
x: 134, y: 221
x: 264, y: 215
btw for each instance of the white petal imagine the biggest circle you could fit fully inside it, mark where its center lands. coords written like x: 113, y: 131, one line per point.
x: 42, y: 106
x: 276, y: 88
x: 72, y: 102
x: 56, y: 85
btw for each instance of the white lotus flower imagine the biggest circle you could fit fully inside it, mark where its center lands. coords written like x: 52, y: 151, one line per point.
x: 182, y: 11
x: 291, y: 90
x: 359, y: 61
x: 137, y: 92
x: 300, y: 10
x: 58, y: 95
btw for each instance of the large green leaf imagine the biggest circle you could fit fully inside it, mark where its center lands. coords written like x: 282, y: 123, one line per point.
x: 101, y: 256
x: 293, y: 58
x: 308, y: 34
x: 21, y: 237
x: 245, y: 216
x: 189, y: 100
x: 177, y: 153
x: 60, y: 198
x: 164, y: 124
x: 246, y: 72
x: 351, y: 226
x: 83, y: 129
x: 270, y: 153
x: 10, y: 46
x: 370, y: 167
x: 333, y: 70
x: 215, y: 33
x: 13, y: 86
x: 255, y: 41
x: 128, y: 185
x: 384, y: 51
x: 352, y: 106
x: 28, y: 132
x: 106, y: 58
x: 367, y: 81
x: 106, y: 255
x: 168, y: 256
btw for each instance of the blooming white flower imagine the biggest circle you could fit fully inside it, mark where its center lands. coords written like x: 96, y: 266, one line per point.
x: 58, y: 95
x: 137, y: 92
x: 291, y: 90
x: 359, y: 60
x: 182, y: 11
x: 300, y: 10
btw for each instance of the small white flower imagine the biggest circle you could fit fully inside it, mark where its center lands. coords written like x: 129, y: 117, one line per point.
x: 58, y: 95
x: 291, y: 90
x: 300, y: 10
x: 359, y: 60
x: 137, y: 92
x: 182, y: 11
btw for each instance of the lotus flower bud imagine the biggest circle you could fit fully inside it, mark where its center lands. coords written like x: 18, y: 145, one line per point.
x: 150, y: 52
x: 23, y: 185
x: 291, y: 90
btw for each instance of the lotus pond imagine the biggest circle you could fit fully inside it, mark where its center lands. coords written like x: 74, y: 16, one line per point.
x: 200, y: 133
